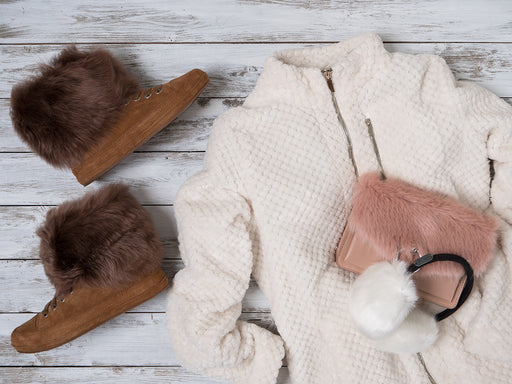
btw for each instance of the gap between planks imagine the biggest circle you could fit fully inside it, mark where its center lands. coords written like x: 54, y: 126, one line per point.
x: 230, y: 20
x: 235, y: 71
x: 67, y: 43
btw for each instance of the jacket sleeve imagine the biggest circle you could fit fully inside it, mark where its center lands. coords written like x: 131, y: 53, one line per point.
x: 489, y: 333
x: 205, y: 301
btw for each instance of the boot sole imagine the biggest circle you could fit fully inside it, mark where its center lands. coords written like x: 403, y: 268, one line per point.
x: 148, y: 294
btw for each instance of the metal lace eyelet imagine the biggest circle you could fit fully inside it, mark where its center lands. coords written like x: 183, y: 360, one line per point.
x: 158, y: 91
x: 71, y: 291
x: 62, y: 300
x: 137, y: 99
x: 45, y: 315
x: 54, y: 307
x: 147, y: 95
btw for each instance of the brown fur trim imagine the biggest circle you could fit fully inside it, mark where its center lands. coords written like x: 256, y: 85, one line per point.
x: 64, y: 111
x: 105, y: 238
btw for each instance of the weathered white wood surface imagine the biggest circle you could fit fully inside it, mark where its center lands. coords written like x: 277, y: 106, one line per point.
x: 189, y: 132
x: 154, y: 177
x: 159, y: 40
x: 104, y: 375
x: 19, y: 241
x: 27, y: 276
x: 253, y: 20
x: 132, y: 339
x: 111, y: 375
x: 234, y: 68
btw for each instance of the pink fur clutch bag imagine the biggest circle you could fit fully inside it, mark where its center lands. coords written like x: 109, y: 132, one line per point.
x: 390, y: 216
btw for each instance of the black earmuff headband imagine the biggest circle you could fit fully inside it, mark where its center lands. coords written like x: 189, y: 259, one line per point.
x: 468, y: 285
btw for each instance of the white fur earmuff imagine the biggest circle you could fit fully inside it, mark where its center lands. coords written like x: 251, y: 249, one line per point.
x: 382, y: 305
x: 382, y: 297
x: 418, y: 332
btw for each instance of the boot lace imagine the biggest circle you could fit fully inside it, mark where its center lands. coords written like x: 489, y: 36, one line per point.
x: 52, y: 304
x: 146, y: 93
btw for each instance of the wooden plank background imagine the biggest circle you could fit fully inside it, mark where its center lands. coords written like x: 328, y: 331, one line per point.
x: 159, y: 40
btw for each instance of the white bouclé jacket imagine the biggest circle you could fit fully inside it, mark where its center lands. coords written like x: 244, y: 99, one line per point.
x: 274, y: 196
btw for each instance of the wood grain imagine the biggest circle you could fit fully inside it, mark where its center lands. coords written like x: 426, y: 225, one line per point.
x: 29, y: 21
x: 132, y: 339
x: 154, y: 178
x: 159, y: 40
x: 234, y: 68
x: 112, y: 375
x: 33, y: 290
x: 107, y: 375
x: 18, y: 226
x: 189, y: 132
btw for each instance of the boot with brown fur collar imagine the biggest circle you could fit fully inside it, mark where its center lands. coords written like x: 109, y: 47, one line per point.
x: 86, y: 112
x: 103, y: 256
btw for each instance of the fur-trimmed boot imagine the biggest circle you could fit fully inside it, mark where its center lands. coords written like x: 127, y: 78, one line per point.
x: 103, y: 256
x: 86, y: 112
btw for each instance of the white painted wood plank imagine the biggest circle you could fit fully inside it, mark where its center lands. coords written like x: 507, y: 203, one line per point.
x: 33, y: 21
x: 17, y: 231
x: 481, y: 63
x: 18, y: 225
x: 112, y: 375
x: 107, y: 375
x: 234, y: 68
x: 154, y: 178
x: 189, y: 132
x: 18, y: 241
x: 132, y: 339
x: 33, y: 290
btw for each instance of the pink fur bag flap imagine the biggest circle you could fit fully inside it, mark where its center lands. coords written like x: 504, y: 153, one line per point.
x: 393, y: 215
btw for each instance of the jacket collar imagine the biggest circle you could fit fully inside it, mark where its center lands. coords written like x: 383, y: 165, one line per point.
x: 295, y: 75
x: 353, y: 54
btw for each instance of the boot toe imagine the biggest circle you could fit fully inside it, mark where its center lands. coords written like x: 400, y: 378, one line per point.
x: 25, y: 338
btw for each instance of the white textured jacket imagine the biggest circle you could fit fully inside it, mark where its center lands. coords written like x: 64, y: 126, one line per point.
x: 274, y: 196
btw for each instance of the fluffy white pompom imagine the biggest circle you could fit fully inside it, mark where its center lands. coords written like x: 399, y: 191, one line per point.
x: 381, y: 298
x: 417, y: 333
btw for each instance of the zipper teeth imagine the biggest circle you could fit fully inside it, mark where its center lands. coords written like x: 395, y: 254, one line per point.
x: 349, y: 140
x: 327, y: 73
x: 371, y: 132
x: 422, y: 361
x: 328, y: 77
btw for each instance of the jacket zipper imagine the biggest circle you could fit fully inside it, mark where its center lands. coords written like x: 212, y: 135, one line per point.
x: 371, y: 133
x: 327, y: 73
x: 422, y: 361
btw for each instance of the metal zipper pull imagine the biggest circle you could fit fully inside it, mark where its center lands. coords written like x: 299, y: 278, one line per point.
x: 327, y: 73
x: 328, y: 77
x: 371, y: 133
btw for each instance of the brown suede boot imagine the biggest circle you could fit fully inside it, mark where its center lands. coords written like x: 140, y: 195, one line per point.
x: 150, y: 111
x: 86, y: 112
x: 103, y: 256
x: 83, y: 309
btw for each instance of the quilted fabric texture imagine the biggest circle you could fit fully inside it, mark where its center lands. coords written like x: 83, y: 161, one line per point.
x: 274, y: 196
